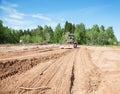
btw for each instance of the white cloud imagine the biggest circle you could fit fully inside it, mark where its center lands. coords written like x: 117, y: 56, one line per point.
x: 13, y: 21
x: 61, y: 19
x: 19, y: 24
x: 12, y: 12
x: 17, y: 15
x: 7, y: 9
x: 18, y: 20
x: 4, y: 8
x: 52, y: 24
x: 40, y: 16
x: 23, y: 27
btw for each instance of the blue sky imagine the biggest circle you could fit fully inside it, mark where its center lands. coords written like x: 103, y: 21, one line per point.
x: 23, y: 14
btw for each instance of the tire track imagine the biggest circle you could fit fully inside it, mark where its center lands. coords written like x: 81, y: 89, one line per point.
x: 87, y: 75
x: 56, y: 73
x: 62, y: 80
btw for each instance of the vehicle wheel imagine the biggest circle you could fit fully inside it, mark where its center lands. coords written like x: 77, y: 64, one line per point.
x: 75, y: 45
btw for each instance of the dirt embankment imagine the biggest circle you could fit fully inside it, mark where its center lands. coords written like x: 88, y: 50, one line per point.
x: 25, y: 60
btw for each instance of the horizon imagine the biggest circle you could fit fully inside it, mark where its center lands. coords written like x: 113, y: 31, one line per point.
x: 24, y: 14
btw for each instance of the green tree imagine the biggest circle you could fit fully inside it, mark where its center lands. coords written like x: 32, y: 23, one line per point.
x: 111, y: 37
x: 25, y: 38
x: 69, y: 27
x: 2, y: 35
x: 95, y: 35
x: 57, y: 34
x: 102, y: 28
x: 103, y: 38
x: 80, y: 33
x: 38, y: 33
x: 88, y: 36
x: 48, y: 34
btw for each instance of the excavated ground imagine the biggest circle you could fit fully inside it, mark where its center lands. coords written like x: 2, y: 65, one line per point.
x: 51, y: 70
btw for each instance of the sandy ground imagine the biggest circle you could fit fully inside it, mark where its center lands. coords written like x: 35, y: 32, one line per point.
x: 37, y: 69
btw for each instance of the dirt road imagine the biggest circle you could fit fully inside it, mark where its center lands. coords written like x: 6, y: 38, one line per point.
x: 50, y: 70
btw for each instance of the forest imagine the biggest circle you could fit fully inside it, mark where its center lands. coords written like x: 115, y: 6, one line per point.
x: 96, y: 35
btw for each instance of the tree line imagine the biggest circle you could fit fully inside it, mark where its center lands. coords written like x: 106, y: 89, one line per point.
x: 96, y: 35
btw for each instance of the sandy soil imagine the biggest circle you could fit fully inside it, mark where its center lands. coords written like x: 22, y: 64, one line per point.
x: 50, y: 70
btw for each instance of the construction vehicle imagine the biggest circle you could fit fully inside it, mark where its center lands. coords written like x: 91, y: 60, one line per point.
x: 70, y: 42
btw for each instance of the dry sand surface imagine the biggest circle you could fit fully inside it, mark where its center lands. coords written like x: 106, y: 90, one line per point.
x: 47, y: 69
